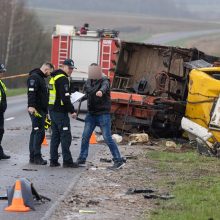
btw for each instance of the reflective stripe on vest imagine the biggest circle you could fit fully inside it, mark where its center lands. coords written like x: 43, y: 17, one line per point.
x: 4, y: 88
x: 52, y: 89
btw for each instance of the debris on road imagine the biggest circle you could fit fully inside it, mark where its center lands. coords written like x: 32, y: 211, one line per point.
x: 105, y: 191
x: 155, y: 196
x: 105, y: 160
x: 135, y: 191
x: 117, y: 138
x: 4, y: 197
x: 28, y: 169
x: 170, y: 144
x: 138, y: 138
x: 131, y: 157
x: 87, y: 211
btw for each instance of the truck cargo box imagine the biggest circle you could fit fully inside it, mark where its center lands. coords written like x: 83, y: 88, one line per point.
x: 150, y: 87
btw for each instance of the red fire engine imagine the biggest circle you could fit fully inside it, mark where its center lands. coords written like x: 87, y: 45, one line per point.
x: 99, y: 46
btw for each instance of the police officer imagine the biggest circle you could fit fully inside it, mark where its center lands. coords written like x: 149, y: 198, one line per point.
x: 3, y: 106
x: 59, y: 107
x: 38, y: 109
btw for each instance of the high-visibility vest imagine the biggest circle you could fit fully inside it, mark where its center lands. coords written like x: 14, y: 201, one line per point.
x: 4, y: 88
x: 52, y: 89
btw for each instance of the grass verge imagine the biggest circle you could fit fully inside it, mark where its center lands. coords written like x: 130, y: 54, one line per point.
x: 16, y: 91
x: 193, y: 180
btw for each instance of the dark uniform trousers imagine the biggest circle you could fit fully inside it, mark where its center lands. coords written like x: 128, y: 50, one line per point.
x: 60, y: 134
x: 37, y: 135
x: 1, y: 131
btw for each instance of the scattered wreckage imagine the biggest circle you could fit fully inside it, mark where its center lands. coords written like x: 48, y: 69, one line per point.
x: 155, y: 86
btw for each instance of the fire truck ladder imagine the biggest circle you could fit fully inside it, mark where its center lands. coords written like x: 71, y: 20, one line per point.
x: 106, y: 57
x: 63, y: 48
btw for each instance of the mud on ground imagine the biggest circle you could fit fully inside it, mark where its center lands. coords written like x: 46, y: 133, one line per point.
x: 105, y: 192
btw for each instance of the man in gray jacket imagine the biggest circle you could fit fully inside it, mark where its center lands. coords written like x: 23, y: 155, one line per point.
x: 97, y: 90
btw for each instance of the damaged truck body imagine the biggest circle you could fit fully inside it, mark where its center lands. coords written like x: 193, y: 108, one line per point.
x: 150, y: 87
x: 202, y: 115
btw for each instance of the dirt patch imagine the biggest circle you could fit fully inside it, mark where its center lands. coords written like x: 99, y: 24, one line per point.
x: 105, y: 192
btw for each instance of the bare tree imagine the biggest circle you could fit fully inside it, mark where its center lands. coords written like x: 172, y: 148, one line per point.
x: 23, y: 42
x: 10, y: 33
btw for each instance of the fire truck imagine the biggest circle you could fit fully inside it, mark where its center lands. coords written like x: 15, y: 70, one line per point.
x: 95, y: 46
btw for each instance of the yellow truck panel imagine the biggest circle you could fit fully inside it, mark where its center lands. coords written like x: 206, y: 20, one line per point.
x: 203, y: 91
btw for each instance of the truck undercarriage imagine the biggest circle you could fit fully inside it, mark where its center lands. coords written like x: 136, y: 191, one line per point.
x: 150, y: 88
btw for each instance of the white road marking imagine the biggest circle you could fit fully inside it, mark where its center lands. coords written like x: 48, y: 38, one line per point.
x: 9, y: 119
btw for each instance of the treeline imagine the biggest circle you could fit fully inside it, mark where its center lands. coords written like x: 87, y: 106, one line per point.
x: 24, y: 44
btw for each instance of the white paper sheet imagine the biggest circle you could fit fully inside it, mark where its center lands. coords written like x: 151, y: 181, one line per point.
x: 76, y: 96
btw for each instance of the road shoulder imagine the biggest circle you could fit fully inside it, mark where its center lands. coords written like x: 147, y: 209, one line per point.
x: 103, y: 193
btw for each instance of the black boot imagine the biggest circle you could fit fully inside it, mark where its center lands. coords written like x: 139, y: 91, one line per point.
x: 54, y: 163
x: 70, y: 165
x: 3, y: 155
x: 31, y: 160
x: 39, y: 161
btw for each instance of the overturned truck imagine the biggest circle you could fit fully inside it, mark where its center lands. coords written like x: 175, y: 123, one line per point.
x: 150, y: 87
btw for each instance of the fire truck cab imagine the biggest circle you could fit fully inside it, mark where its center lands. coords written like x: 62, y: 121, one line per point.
x: 95, y: 46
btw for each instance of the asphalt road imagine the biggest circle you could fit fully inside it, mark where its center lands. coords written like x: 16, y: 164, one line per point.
x: 50, y: 182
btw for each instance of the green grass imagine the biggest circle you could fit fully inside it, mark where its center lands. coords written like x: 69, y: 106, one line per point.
x: 196, y: 186
x: 196, y: 200
x: 16, y: 91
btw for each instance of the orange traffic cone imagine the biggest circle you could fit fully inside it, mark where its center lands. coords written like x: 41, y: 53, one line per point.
x: 17, y: 204
x: 44, y: 143
x: 93, y: 139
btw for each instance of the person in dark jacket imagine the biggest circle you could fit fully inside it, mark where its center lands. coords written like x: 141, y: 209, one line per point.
x: 38, y: 109
x: 3, y: 107
x: 84, y: 29
x: 97, y: 89
x: 59, y: 107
